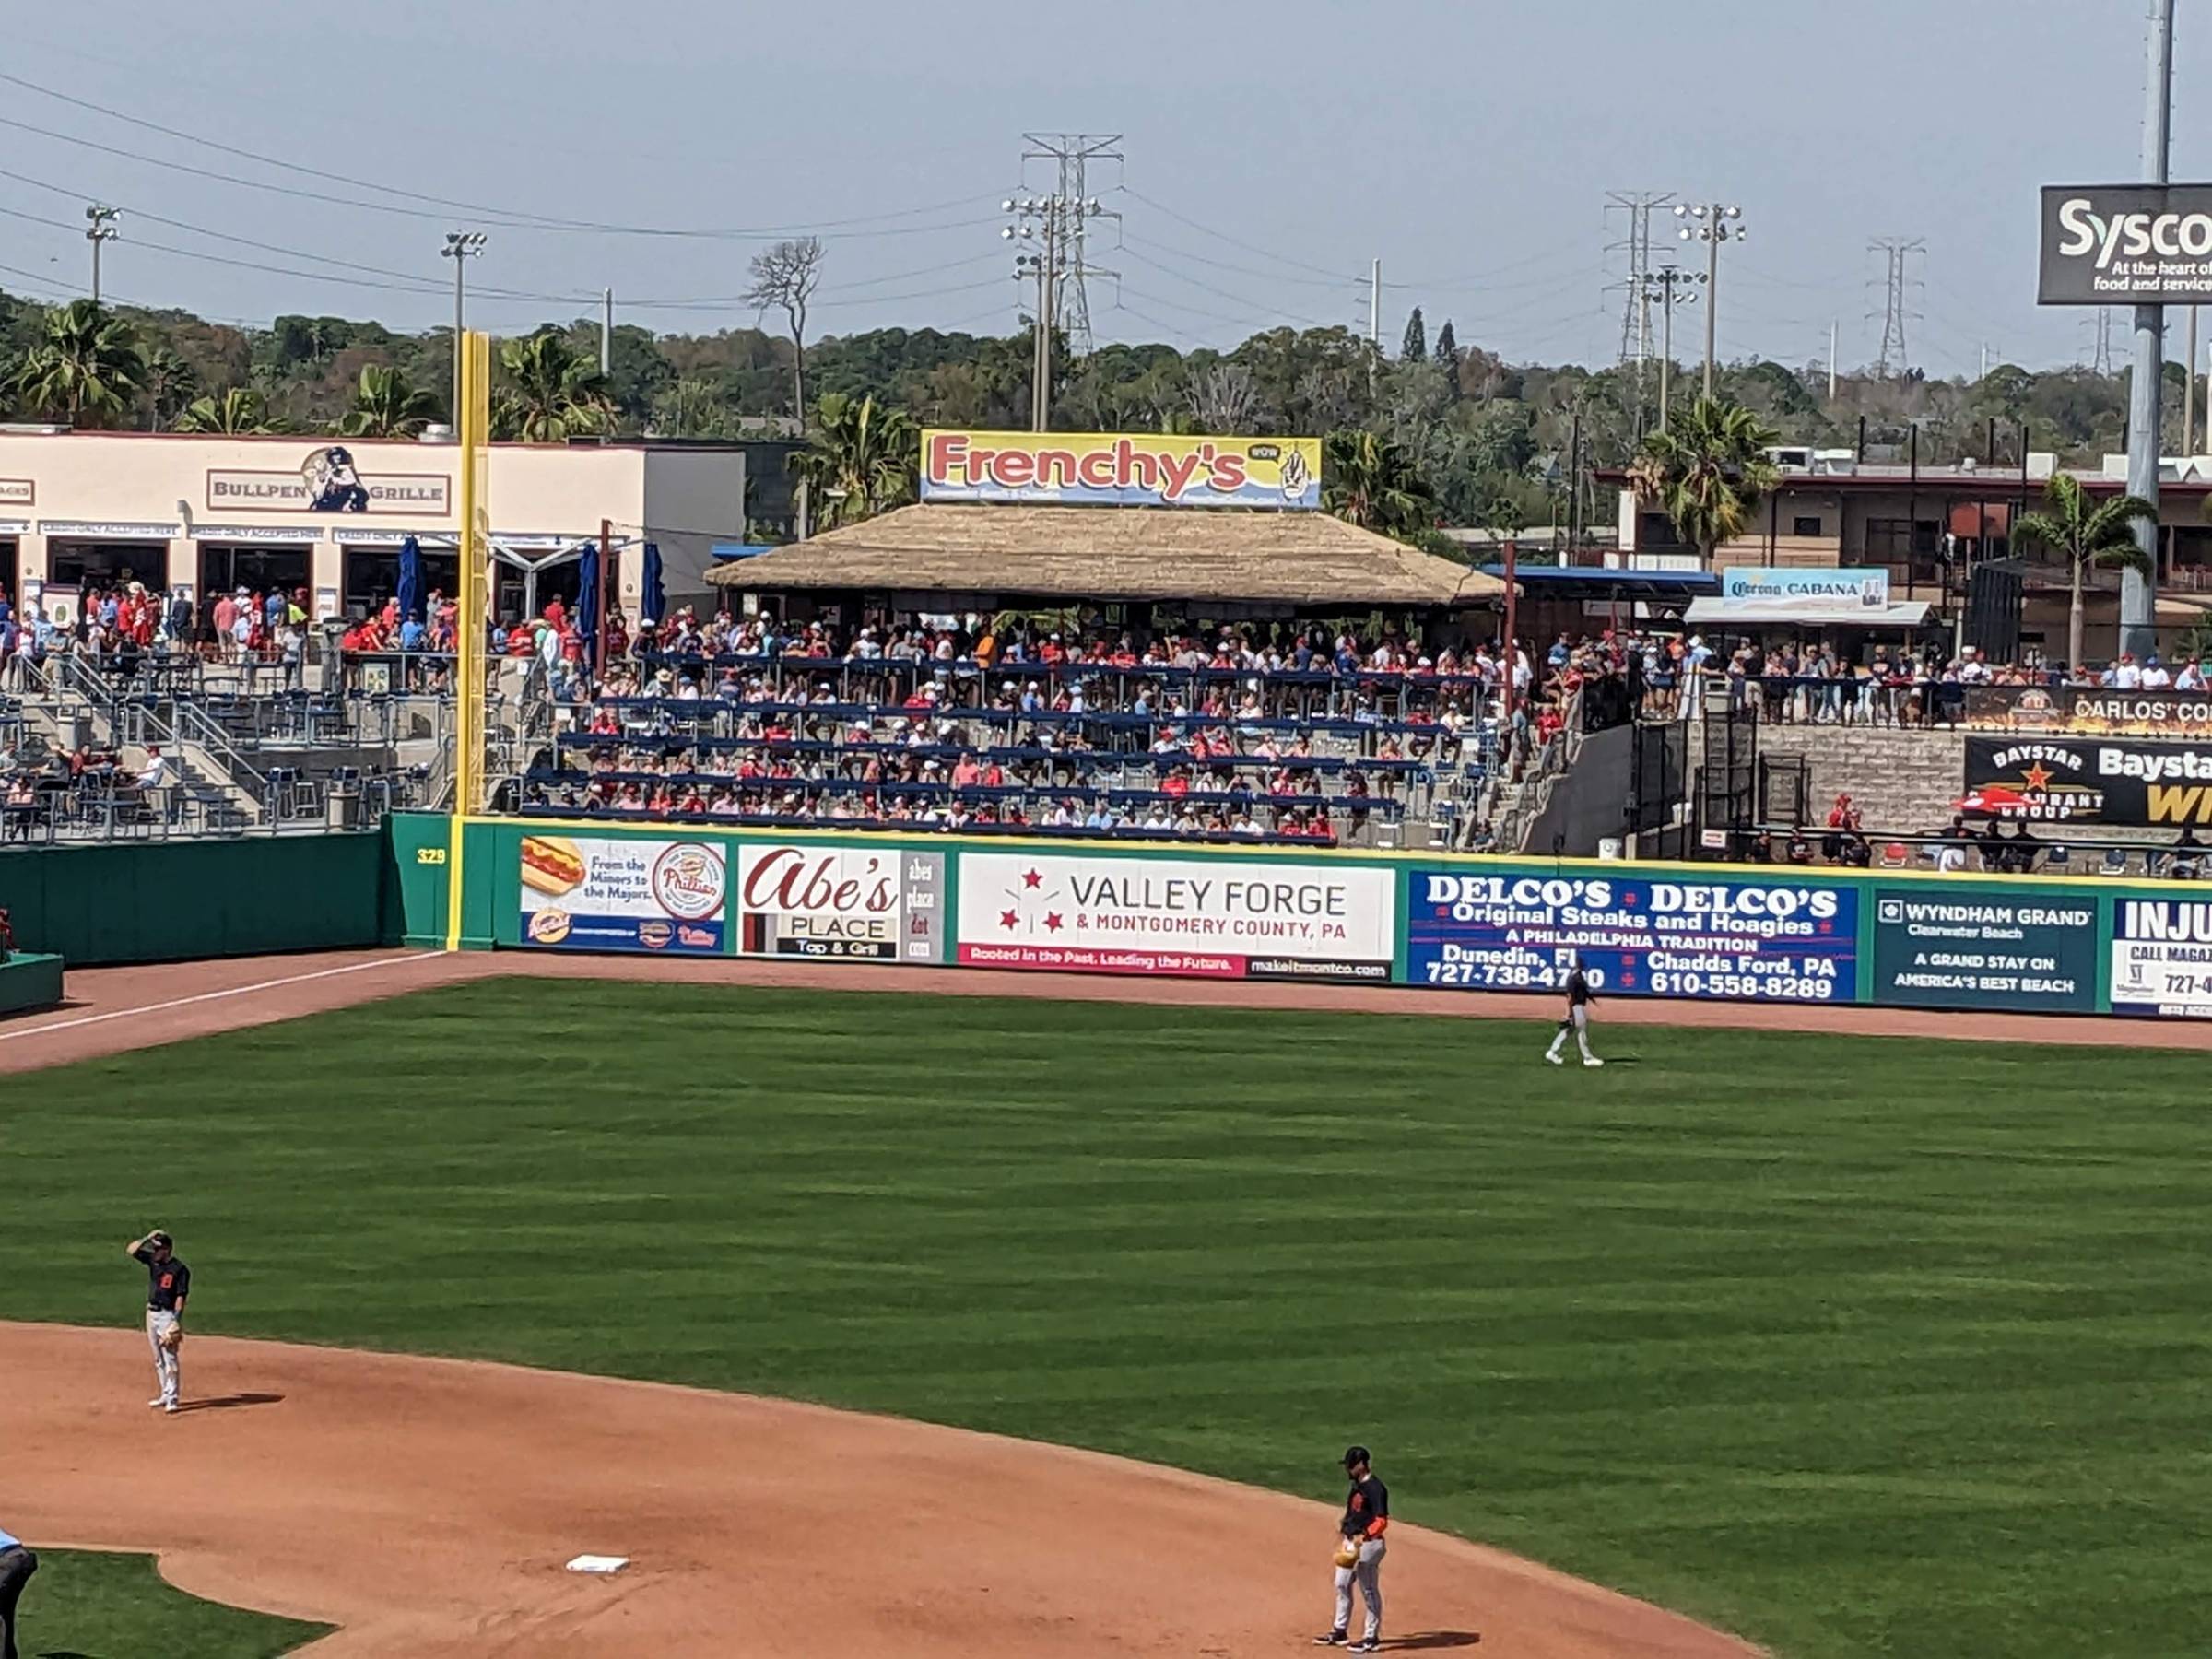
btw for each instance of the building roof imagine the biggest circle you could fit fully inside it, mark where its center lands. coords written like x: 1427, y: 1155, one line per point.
x: 1117, y: 553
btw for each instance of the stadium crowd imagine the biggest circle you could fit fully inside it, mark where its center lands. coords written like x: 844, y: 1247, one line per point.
x: 1244, y: 732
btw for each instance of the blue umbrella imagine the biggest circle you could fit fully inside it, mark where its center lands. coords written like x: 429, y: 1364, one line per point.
x: 587, y: 605
x: 652, y: 602
x: 410, y: 580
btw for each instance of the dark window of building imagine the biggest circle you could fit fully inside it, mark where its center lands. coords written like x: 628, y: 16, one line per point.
x: 77, y: 564
x: 1804, y: 527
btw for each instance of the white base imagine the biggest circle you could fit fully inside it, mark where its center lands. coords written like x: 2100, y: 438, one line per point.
x: 598, y: 1563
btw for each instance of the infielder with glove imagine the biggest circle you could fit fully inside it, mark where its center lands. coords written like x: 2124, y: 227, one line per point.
x: 1360, y: 1555
x: 169, y: 1281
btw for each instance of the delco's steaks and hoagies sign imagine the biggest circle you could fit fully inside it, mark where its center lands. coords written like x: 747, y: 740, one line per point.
x: 1214, y: 918
x: 1114, y: 469
x: 1757, y: 940
x: 589, y: 893
x: 2090, y: 781
x: 2126, y: 244
x: 841, y: 903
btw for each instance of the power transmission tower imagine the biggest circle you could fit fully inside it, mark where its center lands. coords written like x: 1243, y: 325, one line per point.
x: 1636, y: 306
x: 1075, y: 206
x: 2101, y: 341
x: 1897, y: 309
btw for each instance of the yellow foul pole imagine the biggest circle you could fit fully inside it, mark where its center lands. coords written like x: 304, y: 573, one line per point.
x: 474, y: 420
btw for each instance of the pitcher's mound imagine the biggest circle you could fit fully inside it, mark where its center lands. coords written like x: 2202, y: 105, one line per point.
x: 430, y: 1507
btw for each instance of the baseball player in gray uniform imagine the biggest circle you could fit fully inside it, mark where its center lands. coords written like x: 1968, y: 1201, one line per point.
x: 168, y: 1283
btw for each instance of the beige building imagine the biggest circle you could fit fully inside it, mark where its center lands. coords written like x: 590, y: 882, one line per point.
x: 206, y: 513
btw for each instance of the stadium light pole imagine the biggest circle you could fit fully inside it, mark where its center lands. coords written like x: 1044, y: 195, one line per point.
x: 460, y: 246
x: 100, y: 228
x: 1712, y: 224
x: 2145, y: 391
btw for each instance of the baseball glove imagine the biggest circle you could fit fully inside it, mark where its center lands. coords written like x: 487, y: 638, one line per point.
x: 174, y: 1338
x: 1347, y: 1552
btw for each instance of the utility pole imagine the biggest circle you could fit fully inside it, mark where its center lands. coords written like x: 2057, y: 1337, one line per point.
x: 1831, y: 359
x: 1374, y: 323
x: 1072, y: 154
x: 460, y: 246
x: 2189, y: 387
x: 1664, y: 283
x: 607, y: 332
x: 1896, y: 251
x: 1039, y: 221
x: 2146, y: 385
x: 100, y: 228
x: 1712, y: 224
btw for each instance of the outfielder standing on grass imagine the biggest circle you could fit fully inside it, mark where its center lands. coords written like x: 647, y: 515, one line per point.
x: 169, y: 1281
x: 1579, y: 999
x: 1360, y: 1557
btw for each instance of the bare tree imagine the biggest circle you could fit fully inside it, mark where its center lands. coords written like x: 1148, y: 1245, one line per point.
x: 1224, y: 398
x: 785, y: 276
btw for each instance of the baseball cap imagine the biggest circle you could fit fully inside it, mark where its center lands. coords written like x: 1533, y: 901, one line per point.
x: 1357, y: 1454
x: 157, y: 1238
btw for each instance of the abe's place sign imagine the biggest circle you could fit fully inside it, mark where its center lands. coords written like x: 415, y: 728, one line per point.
x: 2126, y: 244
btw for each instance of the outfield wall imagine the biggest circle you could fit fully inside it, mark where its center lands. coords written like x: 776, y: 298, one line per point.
x: 1700, y: 932
x: 178, y: 900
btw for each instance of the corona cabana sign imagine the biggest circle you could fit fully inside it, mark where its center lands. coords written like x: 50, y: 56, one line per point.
x: 1116, y: 469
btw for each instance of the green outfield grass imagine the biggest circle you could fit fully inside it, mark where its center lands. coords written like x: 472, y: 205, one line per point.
x: 87, y: 1606
x: 1860, y: 1348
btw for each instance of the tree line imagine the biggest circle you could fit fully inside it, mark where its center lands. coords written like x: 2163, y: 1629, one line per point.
x: 1437, y: 432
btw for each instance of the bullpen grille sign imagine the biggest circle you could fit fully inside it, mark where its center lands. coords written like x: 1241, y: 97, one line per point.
x: 1212, y: 918
x: 1113, y: 469
x: 2090, y: 781
x: 1747, y: 940
x: 841, y: 903
x: 2126, y: 244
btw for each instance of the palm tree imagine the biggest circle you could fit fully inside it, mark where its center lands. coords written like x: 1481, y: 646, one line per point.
x: 1368, y: 480
x: 1708, y: 469
x: 2085, y: 535
x: 171, y: 385
x: 552, y: 392
x: 861, y: 461
x: 86, y: 369
x: 387, y: 405
x: 240, y: 412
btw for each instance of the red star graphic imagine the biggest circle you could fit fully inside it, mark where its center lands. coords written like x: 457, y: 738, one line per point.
x: 1006, y: 918
x: 1443, y: 910
x: 2035, y: 777
x: 1827, y: 927
x: 1031, y: 878
x: 1627, y: 977
x: 1051, y: 922
x: 1628, y: 898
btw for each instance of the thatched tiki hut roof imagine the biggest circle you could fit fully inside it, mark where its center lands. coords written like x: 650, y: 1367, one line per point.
x: 1108, y: 554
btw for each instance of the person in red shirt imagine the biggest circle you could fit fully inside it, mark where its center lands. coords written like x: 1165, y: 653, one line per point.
x: 556, y: 613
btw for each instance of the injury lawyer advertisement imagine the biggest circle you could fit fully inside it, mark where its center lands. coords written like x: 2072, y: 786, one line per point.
x: 1213, y: 917
x: 841, y: 903
x: 1769, y: 941
x: 2162, y: 957
x: 589, y: 893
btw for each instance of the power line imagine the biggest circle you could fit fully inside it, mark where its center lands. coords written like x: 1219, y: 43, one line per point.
x: 1636, y: 308
x: 505, y: 219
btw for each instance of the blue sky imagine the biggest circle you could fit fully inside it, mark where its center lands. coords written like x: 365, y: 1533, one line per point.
x: 1272, y: 150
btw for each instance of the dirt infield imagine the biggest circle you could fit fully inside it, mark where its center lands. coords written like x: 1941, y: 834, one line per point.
x: 111, y: 1009
x: 427, y: 1507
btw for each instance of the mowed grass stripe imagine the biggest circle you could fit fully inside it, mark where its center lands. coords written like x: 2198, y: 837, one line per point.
x: 1859, y: 1347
